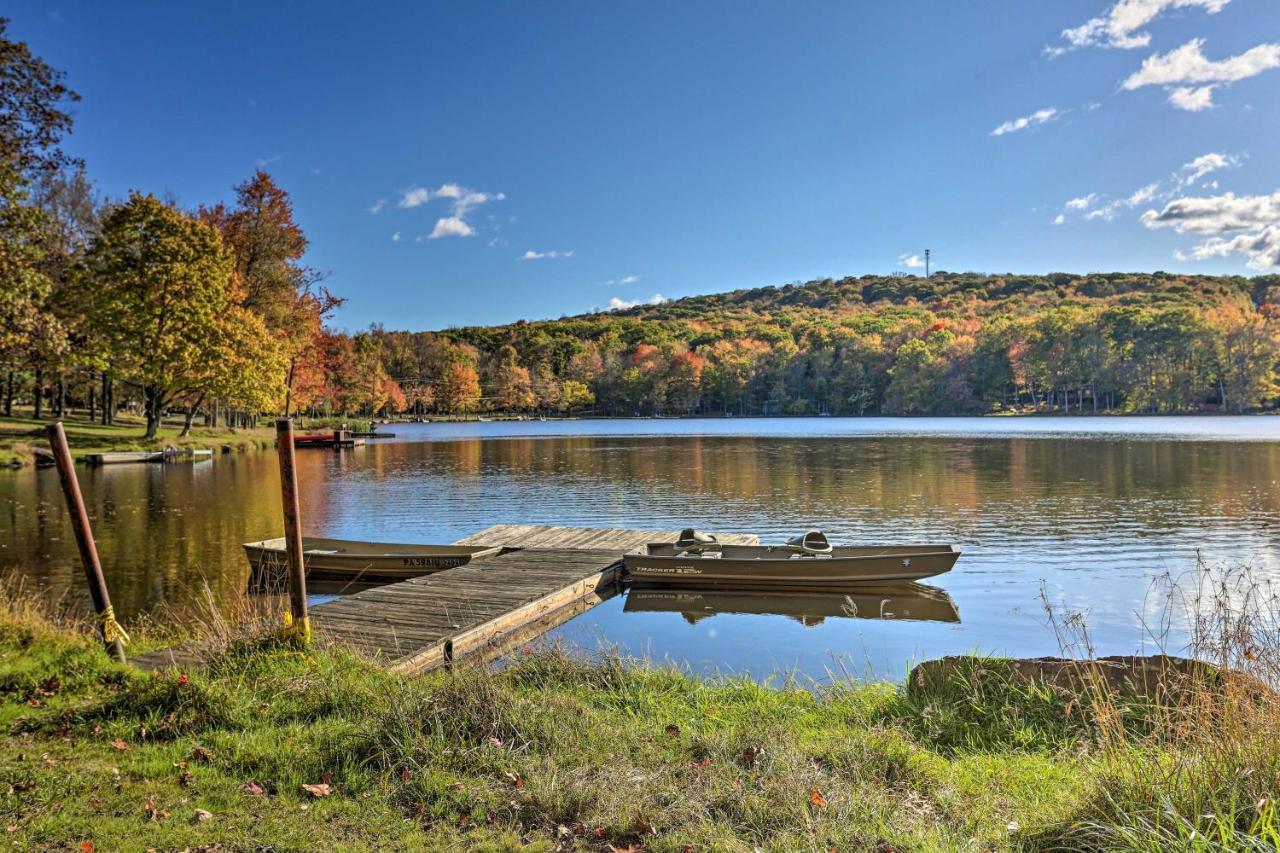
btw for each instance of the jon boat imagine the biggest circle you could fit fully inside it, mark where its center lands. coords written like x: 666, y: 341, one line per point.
x: 903, y: 601
x: 345, y: 559
x: 808, y: 561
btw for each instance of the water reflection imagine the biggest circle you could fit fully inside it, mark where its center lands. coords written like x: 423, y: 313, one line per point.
x: 907, y: 601
x: 1093, y: 520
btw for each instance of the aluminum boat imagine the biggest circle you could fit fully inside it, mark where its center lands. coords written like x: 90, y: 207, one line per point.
x: 808, y: 561
x: 345, y: 559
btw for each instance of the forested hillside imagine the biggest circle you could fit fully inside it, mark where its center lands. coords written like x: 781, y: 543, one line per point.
x: 949, y: 344
x: 137, y: 304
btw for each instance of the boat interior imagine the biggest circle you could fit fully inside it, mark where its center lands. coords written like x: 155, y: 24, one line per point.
x: 813, y: 544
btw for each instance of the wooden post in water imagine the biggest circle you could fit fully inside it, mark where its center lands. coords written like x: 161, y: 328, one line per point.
x: 113, y: 636
x: 295, y: 569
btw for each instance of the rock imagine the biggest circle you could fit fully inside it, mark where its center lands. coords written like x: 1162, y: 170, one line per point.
x: 1149, y: 677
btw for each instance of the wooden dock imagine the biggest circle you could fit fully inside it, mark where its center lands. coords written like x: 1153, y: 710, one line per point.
x: 546, y: 576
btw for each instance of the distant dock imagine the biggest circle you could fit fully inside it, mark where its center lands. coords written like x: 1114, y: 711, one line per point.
x: 543, y: 577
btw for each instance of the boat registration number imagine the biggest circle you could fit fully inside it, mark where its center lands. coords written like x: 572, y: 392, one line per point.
x: 429, y: 562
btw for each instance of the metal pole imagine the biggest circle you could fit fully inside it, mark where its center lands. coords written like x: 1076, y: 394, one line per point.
x: 113, y: 636
x: 295, y: 570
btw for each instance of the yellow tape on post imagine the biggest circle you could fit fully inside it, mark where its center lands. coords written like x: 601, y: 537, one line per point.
x: 111, y: 629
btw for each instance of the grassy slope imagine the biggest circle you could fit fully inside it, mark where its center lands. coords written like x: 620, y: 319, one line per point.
x: 20, y: 436
x: 548, y: 752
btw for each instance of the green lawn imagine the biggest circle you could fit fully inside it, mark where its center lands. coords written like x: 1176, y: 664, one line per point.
x: 20, y: 436
x: 274, y: 745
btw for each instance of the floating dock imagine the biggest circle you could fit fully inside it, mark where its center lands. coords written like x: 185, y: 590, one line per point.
x: 172, y: 454
x: 336, y: 439
x: 543, y: 577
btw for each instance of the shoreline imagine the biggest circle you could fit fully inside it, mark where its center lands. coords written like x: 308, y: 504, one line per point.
x: 320, y: 747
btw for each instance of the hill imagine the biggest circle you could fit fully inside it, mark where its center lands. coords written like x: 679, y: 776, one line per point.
x: 950, y: 344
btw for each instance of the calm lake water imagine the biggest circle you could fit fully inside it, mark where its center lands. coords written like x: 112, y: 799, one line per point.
x: 1088, y: 510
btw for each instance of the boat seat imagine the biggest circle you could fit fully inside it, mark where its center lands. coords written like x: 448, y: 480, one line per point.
x: 692, y: 541
x: 812, y: 543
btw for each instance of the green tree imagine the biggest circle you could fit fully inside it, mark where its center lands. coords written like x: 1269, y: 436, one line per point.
x: 575, y: 395
x: 34, y: 117
x: 156, y: 285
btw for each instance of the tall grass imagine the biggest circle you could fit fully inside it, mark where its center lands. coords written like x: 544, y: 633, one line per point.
x: 1193, y: 761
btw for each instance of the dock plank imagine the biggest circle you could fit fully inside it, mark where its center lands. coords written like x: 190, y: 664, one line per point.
x: 547, y: 575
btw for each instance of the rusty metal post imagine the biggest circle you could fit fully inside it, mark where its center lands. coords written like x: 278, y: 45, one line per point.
x: 295, y: 570
x: 113, y: 636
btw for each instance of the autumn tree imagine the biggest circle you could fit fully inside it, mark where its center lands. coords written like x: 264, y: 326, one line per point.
x: 34, y: 117
x: 575, y: 395
x: 269, y: 278
x: 511, y: 386
x: 156, y: 287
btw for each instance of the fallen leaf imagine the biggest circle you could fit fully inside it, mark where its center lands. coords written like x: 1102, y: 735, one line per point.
x: 184, y: 778
x: 13, y: 827
x: 456, y: 786
x: 252, y: 788
x: 201, y: 754
x: 673, y: 730
x: 493, y: 741
x: 86, y: 846
x: 202, y: 815
x: 405, y: 775
x: 815, y: 797
x: 119, y: 744
x: 182, y: 679
x: 49, y: 686
x: 750, y: 756
x: 319, y: 790
x: 514, y: 779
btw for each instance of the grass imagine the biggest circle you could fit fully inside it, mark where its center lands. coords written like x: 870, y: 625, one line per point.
x: 554, y: 752
x: 20, y: 436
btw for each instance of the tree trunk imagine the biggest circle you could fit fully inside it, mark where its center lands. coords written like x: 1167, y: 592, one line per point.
x: 288, y: 388
x: 186, y: 422
x: 8, y: 396
x: 93, y: 403
x: 39, y: 393
x: 151, y: 402
x: 61, y: 403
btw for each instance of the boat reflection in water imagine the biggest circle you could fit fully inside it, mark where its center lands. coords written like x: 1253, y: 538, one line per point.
x: 911, y: 601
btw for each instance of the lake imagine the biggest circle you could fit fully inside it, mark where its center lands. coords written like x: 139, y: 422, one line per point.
x: 1088, y: 512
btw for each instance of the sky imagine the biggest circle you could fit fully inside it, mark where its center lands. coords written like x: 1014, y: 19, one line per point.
x: 483, y: 162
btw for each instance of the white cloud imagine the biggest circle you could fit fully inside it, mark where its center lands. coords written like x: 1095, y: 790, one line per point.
x: 1121, y: 25
x: 1192, y: 99
x: 1261, y: 248
x: 395, y: 238
x: 464, y: 201
x: 377, y: 206
x: 1038, y: 117
x: 1059, y: 219
x: 1082, y: 202
x: 1216, y: 214
x: 1256, y: 218
x: 414, y: 197
x: 531, y: 255
x: 1143, y: 195
x: 1206, y: 163
x: 451, y: 226
x: 626, y: 279
x: 619, y: 304
x: 911, y: 261
x: 1191, y: 77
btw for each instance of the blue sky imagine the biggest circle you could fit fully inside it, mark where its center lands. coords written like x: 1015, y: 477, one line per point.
x: 678, y: 148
